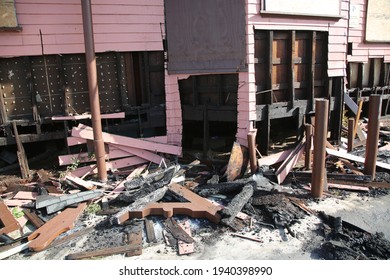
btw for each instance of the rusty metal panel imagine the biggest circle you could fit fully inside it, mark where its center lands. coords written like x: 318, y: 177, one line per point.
x: 16, y: 96
x: 205, y: 35
x: 76, y: 83
x: 109, y: 90
x: 47, y: 89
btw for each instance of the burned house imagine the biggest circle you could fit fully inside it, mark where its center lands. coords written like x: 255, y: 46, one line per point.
x: 190, y: 69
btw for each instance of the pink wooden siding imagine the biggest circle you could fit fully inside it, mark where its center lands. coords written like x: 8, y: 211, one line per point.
x: 119, y: 25
x: 362, y: 51
x: 173, y: 108
x: 337, y: 48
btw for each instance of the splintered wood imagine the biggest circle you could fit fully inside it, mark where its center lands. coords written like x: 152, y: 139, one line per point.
x: 184, y: 247
x: 121, y: 151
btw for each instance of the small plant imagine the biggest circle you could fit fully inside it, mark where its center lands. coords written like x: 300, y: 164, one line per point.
x: 17, y: 212
x: 93, y: 208
x: 75, y: 164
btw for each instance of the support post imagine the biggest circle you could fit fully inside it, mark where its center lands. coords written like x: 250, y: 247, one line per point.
x: 309, y: 138
x: 351, y: 136
x: 374, y: 113
x: 252, y: 150
x: 23, y: 163
x: 93, y: 89
x: 320, y: 136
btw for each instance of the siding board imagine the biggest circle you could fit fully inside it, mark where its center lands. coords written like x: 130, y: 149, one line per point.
x: 122, y: 25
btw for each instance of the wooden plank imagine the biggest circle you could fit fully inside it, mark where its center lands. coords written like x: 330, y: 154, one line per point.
x: 183, y: 247
x: 33, y: 218
x: 274, y: 158
x: 247, y: 237
x: 24, y: 168
x: 8, y: 221
x: 42, y: 237
x: 114, y: 164
x: 121, y: 186
x: 23, y: 195
x: 197, y: 207
x: 348, y: 187
x: 13, y: 251
x: 355, y: 158
x: 152, y: 157
x: 120, y: 115
x: 151, y: 236
x: 103, y: 252
x: 134, y: 238
x: 18, y: 202
x: 80, y: 182
x: 178, y: 232
x: 113, y: 153
x: 358, y: 118
x: 70, y: 237
x: 87, y: 133
x: 290, y: 162
x: 73, y: 141
x: 350, y: 103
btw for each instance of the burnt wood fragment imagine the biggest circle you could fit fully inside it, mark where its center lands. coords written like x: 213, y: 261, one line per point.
x: 141, y: 202
x: 104, y: 252
x: 237, y: 203
x: 179, y: 233
x: 151, y: 236
x: 257, y: 180
x: 140, y: 187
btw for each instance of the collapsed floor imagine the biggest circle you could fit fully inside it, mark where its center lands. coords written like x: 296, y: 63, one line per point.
x: 214, y: 206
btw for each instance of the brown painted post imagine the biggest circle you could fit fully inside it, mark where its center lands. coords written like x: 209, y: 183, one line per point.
x: 309, y: 138
x: 252, y: 150
x: 351, y: 136
x: 93, y: 89
x: 374, y: 113
x: 320, y: 136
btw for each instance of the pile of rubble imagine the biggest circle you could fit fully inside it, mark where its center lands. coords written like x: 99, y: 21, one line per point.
x: 159, y: 199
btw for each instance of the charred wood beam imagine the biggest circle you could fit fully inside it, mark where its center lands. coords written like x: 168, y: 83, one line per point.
x: 141, y: 187
x: 104, y: 252
x: 179, y: 233
x: 257, y: 180
x: 237, y: 203
x: 141, y: 202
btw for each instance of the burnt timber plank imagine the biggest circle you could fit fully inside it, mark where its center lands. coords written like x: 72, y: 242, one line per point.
x: 70, y: 237
x: 134, y: 238
x: 149, y: 226
x: 236, y: 204
x: 185, y: 248
x: 178, y: 232
x: 103, y: 252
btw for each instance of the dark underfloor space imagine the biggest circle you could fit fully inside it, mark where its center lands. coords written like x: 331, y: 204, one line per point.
x: 221, y: 136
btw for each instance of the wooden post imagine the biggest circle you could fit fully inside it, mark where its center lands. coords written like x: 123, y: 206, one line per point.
x: 374, y: 113
x: 252, y: 150
x: 320, y: 136
x: 351, y: 138
x: 357, y: 118
x: 308, y: 154
x: 23, y: 163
